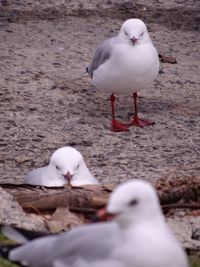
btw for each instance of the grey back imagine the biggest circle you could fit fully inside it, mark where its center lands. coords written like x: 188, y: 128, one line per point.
x: 102, y: 53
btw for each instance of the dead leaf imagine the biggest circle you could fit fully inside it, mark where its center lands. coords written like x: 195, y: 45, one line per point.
x: 167, y: 59
x: 63, y: 219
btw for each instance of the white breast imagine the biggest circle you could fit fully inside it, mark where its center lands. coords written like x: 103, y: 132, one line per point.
x: 129, y: 69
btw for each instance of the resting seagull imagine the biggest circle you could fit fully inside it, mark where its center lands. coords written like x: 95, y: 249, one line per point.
x: 125, y: 64
x: 66, y: 166
x: 138, y: 237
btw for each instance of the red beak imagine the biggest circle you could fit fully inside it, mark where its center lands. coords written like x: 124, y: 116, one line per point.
x: 68, y: 176
x: 104, y: 215
x: 134, y: 40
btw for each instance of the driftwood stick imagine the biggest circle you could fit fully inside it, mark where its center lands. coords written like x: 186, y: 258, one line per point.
x: 90, y: 197
x: 191, y: 206
x: 84, y: 211
x: 93, y: 197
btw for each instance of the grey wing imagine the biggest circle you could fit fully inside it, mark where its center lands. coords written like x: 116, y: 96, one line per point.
x: 102, y: 54
x: 34, y: 253
x: 82, y: 263
x: 88, y: 243
x: 91, y: 242
x: 35, y: 177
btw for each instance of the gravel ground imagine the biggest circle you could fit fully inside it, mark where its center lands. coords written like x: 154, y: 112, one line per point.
x: 47, y: 100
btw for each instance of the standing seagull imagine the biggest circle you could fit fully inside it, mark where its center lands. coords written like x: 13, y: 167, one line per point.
x: 125, y: 64
x: 138, y: 237
x: 66, y: 165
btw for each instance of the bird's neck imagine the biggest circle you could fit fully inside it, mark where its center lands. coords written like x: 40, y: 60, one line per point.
x: 127, y: 221
x: 51, y: 172
x: 53, y: 178
x: 83, y: 176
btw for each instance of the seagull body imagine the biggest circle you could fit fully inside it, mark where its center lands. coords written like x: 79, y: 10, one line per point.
x: 125, y: 78
x: 139, y: 236
x: 66, y: 165
x: 125, y: 64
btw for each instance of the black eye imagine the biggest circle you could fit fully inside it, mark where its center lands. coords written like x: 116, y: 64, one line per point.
x: 142, y: 34
x: 77, y: 166
x: 126, y: 33
x: 57, y: 167
x: 133, y: 202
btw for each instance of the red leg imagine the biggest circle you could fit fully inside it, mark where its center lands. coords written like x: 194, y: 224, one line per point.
x: 117, y: 126
x: 136, y: 120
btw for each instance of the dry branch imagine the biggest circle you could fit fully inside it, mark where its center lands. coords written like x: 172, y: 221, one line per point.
x: 47, y: 199
x: 88, y: 199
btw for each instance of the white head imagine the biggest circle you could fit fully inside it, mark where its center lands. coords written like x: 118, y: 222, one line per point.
x: 134, y: 201
x: 135, y: 32
x: 68, y: 163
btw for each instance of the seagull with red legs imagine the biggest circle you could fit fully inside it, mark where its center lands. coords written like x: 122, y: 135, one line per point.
x: 125, y: 64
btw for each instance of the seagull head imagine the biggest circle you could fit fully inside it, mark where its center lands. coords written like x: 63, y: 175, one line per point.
x: 134, y: 201
x: 134, y: 31
x: 66, y: 163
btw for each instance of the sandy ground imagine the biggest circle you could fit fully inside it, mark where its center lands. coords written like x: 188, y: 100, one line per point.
x: 47, y: 100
